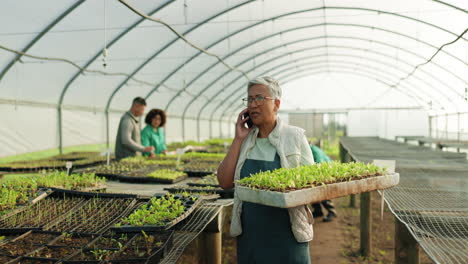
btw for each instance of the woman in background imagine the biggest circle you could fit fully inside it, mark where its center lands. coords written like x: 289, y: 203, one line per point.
x: 153, y: 134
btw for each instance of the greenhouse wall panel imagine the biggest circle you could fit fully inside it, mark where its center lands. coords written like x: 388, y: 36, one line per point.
x: 26, y: 129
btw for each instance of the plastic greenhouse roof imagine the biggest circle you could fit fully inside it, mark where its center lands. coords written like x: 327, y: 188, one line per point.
x: 376, y: 45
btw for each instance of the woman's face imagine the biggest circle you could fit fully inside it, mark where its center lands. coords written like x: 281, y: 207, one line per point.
x: 262, y: 112
x: 156, y: 122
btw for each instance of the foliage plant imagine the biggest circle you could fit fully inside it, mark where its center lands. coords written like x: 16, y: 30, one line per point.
x: 158, y: 211
x: 286, y: 179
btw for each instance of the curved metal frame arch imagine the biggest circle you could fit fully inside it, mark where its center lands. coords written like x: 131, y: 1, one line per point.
x: 278, y: 57
x: 89, y: 62
x: 297, y: 12
x: 291, y: 68
x: 290, y: 62
x: 376, y: 28
x: 306, y: 73
x: 359, y: 73
x: 293, y: 42
x: 289, y: 74
x: 352, y: 66
x: 109, y: 45
x: 287, y: 14
x: 265, y: 72
x: 159, y: 51
x: 39, y: 36
x: 307, y: 39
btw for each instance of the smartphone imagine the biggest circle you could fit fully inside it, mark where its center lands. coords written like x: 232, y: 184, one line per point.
x: 249, y: 122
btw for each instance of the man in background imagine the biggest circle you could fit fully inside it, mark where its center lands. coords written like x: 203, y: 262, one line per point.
x: 128, y: 140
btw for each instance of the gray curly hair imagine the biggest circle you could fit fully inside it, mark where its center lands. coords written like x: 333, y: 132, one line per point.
x: 272, y: 84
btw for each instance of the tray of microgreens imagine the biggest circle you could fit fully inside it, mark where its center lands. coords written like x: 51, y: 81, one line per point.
x: 202, y: 190
x: 80, y: 160
x: 19, y: 191
x: 291, y: 187
x: 161, y: 212
x: 200, y: 168
x: 154, y: 175
x: 207, y: 181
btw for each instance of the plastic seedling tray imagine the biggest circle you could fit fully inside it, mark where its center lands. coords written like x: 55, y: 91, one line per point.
x: 6, y: 259
x: 156, y: 253
x: 54, y: 252
x: 34, y: 260
x: 202, y: 184
x: 150, y: 179
x: 223, y: 194
x: 316, y: 194
x: 57, y: 192
x: 109, y: 176
x: 39, y: 237
x: 13, y: 231
x: 99, y: 188
x: 194, y: 173
x: 74, y: 239
x: 189, y: 207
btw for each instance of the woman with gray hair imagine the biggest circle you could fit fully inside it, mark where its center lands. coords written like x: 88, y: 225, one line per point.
x: 266, y: 234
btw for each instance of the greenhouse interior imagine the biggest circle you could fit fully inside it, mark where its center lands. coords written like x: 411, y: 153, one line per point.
x: 181, y: 131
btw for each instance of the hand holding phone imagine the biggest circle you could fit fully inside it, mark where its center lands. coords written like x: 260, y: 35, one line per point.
x: 249, y: 122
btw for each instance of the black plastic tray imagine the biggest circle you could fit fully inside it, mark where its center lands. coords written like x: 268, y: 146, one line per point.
x: 57, y: 191
x: 14, y: 231
x: 224, y: 194
x: 202, y: 185
x: 189, y: 207
x: 108, y: 176
x: 198, y: 173
x: 38, y: 260
x: 155, y: 257
x: 150, y: 179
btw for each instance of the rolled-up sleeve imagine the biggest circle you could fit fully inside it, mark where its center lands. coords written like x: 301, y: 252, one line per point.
x: 127, y: 140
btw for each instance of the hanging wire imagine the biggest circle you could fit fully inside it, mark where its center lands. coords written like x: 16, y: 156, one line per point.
x: 416, y: 67
x: 432, y: 57
x: 85, y: 70
x: 183, y: 38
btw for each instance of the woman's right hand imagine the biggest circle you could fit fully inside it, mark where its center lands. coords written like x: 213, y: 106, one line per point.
x: 241, y: 130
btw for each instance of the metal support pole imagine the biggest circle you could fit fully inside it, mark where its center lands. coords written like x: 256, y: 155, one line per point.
x: 60, y: 129
x: 366, y: 225
x: 406, y: 247
x: 107, y: 129
x: 198, y: 129
x: 183, y: 129
x: 211, y: 128
x: 352, y: 197
x: 220, y: 128
x: 210, y: 242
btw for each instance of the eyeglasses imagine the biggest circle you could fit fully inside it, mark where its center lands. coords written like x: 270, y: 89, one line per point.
x: 258, y: 100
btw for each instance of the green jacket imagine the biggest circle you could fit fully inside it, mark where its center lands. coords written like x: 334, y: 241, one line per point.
x: 157, y: 139
x: 319, y: 154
